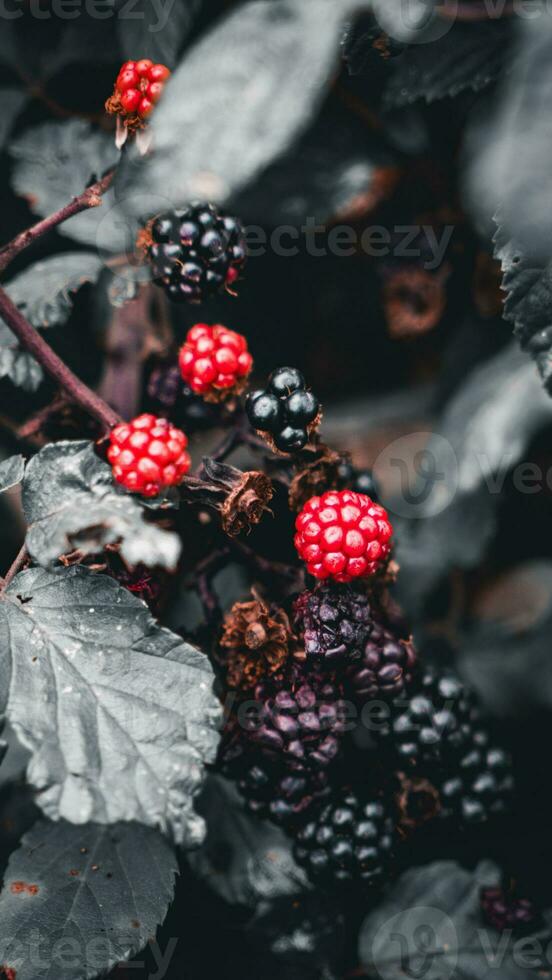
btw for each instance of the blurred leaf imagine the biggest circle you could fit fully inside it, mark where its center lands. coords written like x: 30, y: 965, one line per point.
x: 527, y: 282
x: 405, y: 22
x: 43, y: 292
x: 16, y: 364
x: 57, y: 161
x: 468, y: 56
x: 11, y: 472
x: 505, y: 655
x: 512, y: 167
x: 321, y: 178
x: 70, y: 502
x: 87, y: 897
x: 238, y: 100
x: 243, y: 859
x: 483, y: 432
x: 12, y: 100
x: 118, y: 713
x: 143, y: 31
x: 430, y: 926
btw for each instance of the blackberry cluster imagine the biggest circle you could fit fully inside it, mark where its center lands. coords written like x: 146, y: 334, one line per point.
x: 479, y: 785
x: 196, y: 252
x: 387, y: 667
x: 350, y: 841
x: 335, y: 623
x: 285, y: 410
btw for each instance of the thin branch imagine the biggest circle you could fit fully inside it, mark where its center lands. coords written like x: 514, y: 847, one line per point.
x: 15, y: 567
x: 54, y: 366
x: 474, y: 11
x: 90, y: 198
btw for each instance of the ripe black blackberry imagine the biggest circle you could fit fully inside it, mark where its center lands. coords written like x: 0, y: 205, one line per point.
x: 335, y: 623
x: 286, y: 411
x: 478, y: 785
x: 299, y: 720
x: 434, y: 724
x: 350, y: 840
x: 196, y: 252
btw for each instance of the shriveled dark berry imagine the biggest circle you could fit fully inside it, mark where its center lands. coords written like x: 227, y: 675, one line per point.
x: 334, y: 623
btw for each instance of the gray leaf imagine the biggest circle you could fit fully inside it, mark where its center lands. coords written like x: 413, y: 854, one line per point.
x: 55, y: 162
x: 513, y: 161
x: 320, y: 178
x: 404, y: 22
x: 118, y: 714
x: 483, y: 433
x: 43, y: 291
x: 156, y: 33
x: 100, y: 894
x: 16, y: 364
x: 527, y: 282
x: 70, y: 502
x: 12, y: 100
x: 11, y: 472
x: 238, y: 100
x: 505, y: 655
x: 440, y: 903
x: 468, y: 56
x: 244, y: 860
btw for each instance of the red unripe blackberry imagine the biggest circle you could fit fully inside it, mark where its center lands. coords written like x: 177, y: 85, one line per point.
x: 138, y: 87
x: 343, y: 535
x: 196, y: 252
x: 215, y: 361
x: 148, y: 455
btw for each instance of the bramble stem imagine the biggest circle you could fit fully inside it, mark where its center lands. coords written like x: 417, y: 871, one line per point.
x: 54, y: 366
x: 475, y: 11
x: 15, y: 567
x: 90, y: 198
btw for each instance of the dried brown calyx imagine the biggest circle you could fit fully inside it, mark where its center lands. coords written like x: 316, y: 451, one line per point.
x: 255, y: 642
x: 241, y: 497
x: 319, y: 474
x: 417, y: 802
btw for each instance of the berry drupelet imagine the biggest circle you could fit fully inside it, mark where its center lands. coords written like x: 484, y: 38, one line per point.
x: 196, y: 252
x: 285, y: 410
x: 343, y: 535
x: 215, y: 361
x: 148, y: 455
x: 387, y: 667
x: 349, y: 840
x: 138, y: 87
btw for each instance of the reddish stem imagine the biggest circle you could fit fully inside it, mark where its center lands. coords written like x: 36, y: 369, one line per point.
x: 54, y: 366
x: 90, y: 198
x: 475, y: 10
x: 15, y: 567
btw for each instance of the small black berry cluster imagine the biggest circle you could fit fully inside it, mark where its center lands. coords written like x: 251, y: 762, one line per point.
x: 196, y: 252
x: 286, y: 411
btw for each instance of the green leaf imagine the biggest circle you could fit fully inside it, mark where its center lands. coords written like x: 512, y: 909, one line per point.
x: 238, y: 100
x: 78, y: 900
x: 11, y: 472
x: 57, y: 161
x: 70, y: 502
x: 118, y: 714
x: 157, y: 33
